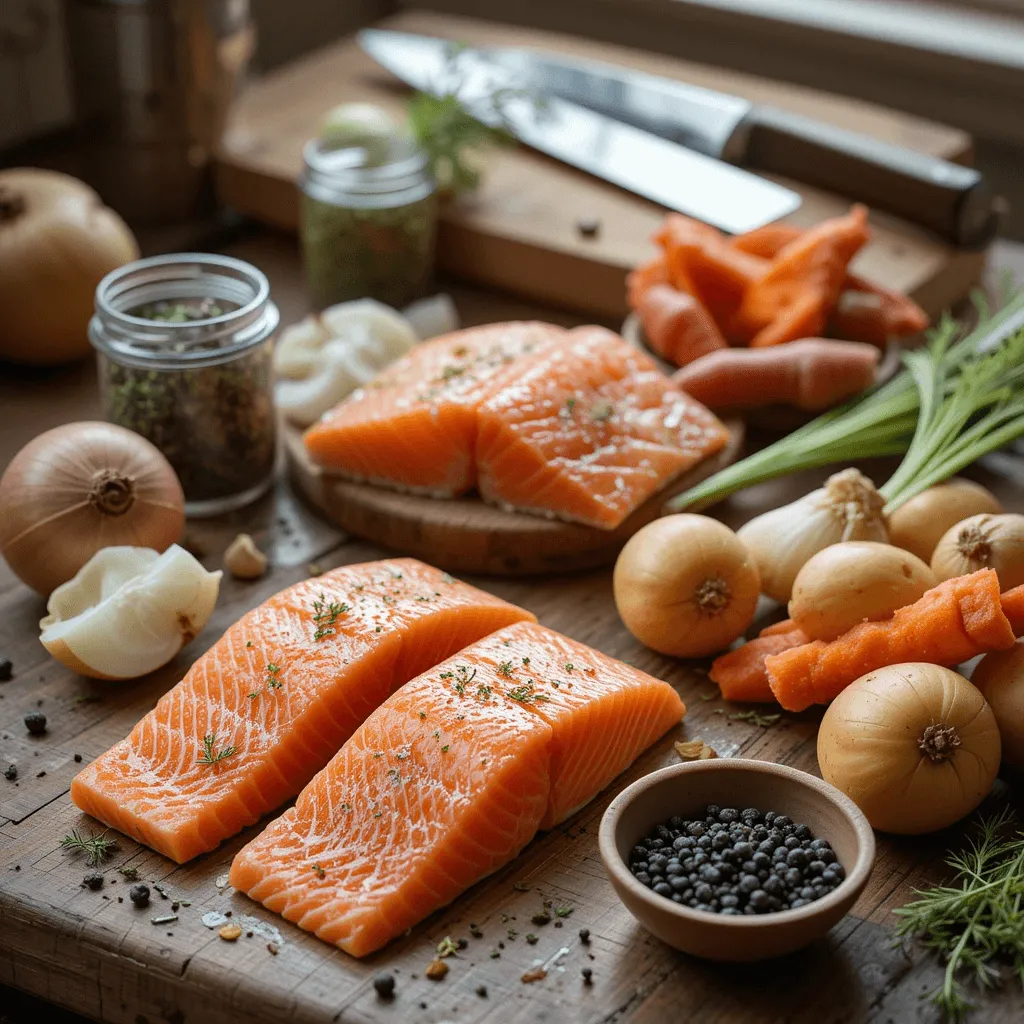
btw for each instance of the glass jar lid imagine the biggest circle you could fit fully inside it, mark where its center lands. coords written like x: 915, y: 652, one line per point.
x: 245, y: 315
x: 341, y: 176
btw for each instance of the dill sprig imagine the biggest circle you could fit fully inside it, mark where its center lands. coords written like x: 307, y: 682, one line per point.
x: 96, y: 848
x: 212, y: 756
x: 325, y: 614
x: 976, y: 923
x: 449, y: 134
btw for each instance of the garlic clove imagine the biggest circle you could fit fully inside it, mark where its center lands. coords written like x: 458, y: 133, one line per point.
x: 433, y: 316
x: 244, y: 560
x: 388, y: 327
x: 128, y: 611
x: 296, y: 351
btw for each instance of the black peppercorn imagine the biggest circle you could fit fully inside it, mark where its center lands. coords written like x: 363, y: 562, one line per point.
x: 481, y: 991
x: 384, y: 984
x: 588, y: 975
x: 585, y: 936
x: 6, y: 670
x: 35, y: 722
x: 93, y: 880
x: 139, y: 895
x: 11, y: 772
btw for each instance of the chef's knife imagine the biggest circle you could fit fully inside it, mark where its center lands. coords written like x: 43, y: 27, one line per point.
x: 952, y: 200
x: 626, y: 155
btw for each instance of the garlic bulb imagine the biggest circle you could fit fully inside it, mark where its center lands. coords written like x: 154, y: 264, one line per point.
x: 322, y: 359
x: 848, y: 507
x: 128, y: 611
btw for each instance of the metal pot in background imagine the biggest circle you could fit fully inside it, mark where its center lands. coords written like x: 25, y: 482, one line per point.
x: 153, y: 80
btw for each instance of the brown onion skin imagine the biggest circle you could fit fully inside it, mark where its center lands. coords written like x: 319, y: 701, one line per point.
x: 1000, y: 677
x: 50, y: 526
x: 57, y: 242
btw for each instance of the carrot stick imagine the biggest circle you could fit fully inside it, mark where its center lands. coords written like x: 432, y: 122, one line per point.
x: 811, y: 374
x: 794, y: 296
x: 1013, y: 608
x: 955, y: 621
x: 868, y: 312
x: 677, y: 325
x: 767, y: 241
x: 741, y: 674
x: 645, y: 276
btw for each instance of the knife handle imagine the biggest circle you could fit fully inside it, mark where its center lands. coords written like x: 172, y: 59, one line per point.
x: 950, y: 199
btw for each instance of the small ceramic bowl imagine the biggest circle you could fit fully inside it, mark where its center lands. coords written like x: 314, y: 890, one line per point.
x: 685, y: 790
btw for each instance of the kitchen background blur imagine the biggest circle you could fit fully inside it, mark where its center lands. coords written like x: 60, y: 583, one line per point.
x: 69, y: 99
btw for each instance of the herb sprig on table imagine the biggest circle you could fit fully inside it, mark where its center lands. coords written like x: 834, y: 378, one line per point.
x: 96, y: 848
x: 976, y: 923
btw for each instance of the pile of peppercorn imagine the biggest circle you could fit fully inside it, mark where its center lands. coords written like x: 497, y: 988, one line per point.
x: 736, y: 862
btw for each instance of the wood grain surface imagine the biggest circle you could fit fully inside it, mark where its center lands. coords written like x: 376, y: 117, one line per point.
x: 108, y: 961
x: 465, y: 535
x: 519, y: 231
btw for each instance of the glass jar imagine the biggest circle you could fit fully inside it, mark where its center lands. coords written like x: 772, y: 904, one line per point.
x: 367, y: 231
x: 184, y: 344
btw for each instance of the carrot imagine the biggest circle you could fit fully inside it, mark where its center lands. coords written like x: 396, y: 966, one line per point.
x: 766, y: 241
x: 741, y: 674
x: 645, y: 276
x: 793, y: 297
x: 702, y: 262
x: 868, y: 312
x: 955, y: 621
x: 811, y: 374
x: 1013, y: 608
x: 677, y: 325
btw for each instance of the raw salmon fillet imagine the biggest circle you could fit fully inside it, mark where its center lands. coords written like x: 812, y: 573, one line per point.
x: 414, y: 426
x: 448, y: 780
x: 272, y: 701
x: 574, y: 424
x: 588, y: 431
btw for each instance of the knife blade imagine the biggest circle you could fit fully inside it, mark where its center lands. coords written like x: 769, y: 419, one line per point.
x: 950, y: 199
x: 626, y: 155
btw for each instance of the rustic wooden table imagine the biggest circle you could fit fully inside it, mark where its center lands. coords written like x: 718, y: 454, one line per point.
x: 102, y: 958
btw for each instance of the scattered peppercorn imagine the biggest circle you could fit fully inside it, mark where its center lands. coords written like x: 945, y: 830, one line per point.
x: 77, y: 758
x: 481, y: 991
x: 585, y: 936
x: 6, y: 670
x: 272, y: 948
x: 11, y: 772
x: 35, y: 722
x: 541, y: 918
x: 93, y: 880
x: 139, y: 895
x: 384, y: 985
x: 588, y: 975
x: 531, y: 939
x: 736, y: 862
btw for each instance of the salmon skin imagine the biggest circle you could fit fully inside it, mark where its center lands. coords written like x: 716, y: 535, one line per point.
x: 448, y: 780
x: 576, y: 424
x: 271, y: 702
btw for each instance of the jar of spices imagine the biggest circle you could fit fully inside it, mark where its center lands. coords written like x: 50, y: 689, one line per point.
x: 184, y: 345
x: 367, y: 229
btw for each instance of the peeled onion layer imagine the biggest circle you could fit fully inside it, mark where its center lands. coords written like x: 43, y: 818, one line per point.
x: 128, y: 611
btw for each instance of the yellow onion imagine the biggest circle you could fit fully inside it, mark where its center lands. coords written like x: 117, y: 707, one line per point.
x: 854, y: 582
x: 983, y: 542
x: 918, y: 525
x: 1000, y: 677
x: 57, y: 241
x: 79, y: 488
x: 915, y: 746
x: 686, y: 585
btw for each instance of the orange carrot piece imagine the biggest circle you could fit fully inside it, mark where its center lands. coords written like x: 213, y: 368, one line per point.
x: 741, y: 674
x: 1013, y: 608
x: 811, y: 374
x: 677, y: 325
x: 955, y: 621
x: 767, y: 241
x: 645, y: 276
x: 868, y: 312
x: 795, y: 295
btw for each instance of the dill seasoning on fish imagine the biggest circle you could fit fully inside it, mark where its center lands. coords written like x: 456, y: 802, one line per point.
x: 184, y: 349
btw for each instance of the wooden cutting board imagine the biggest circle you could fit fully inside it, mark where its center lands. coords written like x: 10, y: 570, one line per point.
x: 518, y: 232
x: 464, y: 534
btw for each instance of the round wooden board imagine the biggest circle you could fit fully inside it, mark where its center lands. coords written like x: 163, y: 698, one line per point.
x: 778, y: 419
x: 464, y: 534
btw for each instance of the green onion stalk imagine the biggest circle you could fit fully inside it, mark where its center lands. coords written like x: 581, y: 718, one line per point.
x: 957, y: 399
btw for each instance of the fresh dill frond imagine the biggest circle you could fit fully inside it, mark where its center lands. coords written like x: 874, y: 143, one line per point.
x: 210, y: 755
x: 96, y: 848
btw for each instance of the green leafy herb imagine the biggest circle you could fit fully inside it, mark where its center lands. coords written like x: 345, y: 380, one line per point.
x: 524, y: 694
x: 483, y: 691
x: 447, y: 947
x: 505, y: 669
x: 563, y: 911
x: 976, y: 923
x: 324, y: 615
x: 450, y: 135
x: 756, y: 718
x: 211, y: 756
x: 318, y: 871
x: 129, y: 874
x: 956, y: 401
x: 95, y: 848
x: 444, y: 749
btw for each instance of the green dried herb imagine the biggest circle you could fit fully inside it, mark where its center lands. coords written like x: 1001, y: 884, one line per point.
x: 211, y: 756
x: 95, y: 848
